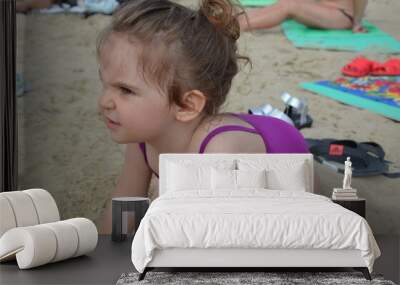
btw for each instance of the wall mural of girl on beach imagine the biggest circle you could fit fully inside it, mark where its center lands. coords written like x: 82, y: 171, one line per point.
x: 65, y: 148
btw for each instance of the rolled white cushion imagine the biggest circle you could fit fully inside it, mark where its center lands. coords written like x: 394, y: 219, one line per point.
x: 23, y: 208
x: 33, y: 246
x: 87, y: 233
x: 40, y: 244
x: 45, y: 205
x: 7, y: 218
x: 67, y: 240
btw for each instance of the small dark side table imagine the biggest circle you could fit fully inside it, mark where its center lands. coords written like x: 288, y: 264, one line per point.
x: 138, y: 205
x: 356, y: 205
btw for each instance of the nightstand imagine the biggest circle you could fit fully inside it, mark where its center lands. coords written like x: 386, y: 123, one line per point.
x: 355, y: 205
x: 138, y: 205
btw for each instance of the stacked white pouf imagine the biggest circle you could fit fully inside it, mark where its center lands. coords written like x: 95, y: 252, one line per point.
x: 31, y: 230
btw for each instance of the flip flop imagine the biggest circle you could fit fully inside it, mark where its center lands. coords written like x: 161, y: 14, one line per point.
x: 358, y: 67
x: 389, y: 68
x: 367, y: 157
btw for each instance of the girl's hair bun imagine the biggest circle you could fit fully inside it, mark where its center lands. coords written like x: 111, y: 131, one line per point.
x: 222, y: 14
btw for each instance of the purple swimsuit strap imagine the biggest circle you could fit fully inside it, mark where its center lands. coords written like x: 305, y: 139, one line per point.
x: 223, y: 129
x: 205, y: 141
x: 143, y: 149
x: 278, y: 136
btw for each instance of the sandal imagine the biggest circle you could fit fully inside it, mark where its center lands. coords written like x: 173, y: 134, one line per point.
x: 268, y: 110
x: 297, y: 110
x: 358, y: 67
x: 367, y: 157
x: 389, y: 68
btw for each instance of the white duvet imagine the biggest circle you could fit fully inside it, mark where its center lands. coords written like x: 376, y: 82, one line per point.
x: 253, y: 218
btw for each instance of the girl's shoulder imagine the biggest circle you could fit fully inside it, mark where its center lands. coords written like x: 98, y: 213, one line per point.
x: 226, y: 133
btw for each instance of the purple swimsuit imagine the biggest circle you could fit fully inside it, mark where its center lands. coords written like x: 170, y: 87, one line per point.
x: 278, y: 136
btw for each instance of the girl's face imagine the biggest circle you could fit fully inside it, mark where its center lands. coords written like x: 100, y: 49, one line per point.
x: 134, y: 110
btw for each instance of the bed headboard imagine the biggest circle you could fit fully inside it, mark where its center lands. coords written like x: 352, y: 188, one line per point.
x: 209, y: 158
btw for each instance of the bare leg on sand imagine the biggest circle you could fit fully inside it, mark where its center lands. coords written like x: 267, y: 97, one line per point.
x: 311, y: 13
x: 27, y: 5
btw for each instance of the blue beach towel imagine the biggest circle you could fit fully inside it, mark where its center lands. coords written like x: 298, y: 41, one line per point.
x: 375, y: 41
x: 257, y: 3
x: 377, y: 94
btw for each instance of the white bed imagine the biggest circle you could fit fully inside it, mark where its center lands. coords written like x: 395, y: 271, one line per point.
x: 249, y: 210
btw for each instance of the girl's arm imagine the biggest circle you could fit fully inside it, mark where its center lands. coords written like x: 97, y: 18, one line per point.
x: 133, y: 181
x: 359, y: 7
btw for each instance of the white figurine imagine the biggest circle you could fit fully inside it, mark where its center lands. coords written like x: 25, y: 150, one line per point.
x: 347, y: 174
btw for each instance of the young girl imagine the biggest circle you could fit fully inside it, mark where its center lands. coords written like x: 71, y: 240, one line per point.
x: 324, y: 14
x: 166, y: 70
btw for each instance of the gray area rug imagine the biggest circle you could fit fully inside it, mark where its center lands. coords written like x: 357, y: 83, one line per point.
x: 269, y: 278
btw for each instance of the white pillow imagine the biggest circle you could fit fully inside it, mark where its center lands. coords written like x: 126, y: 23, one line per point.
x: 223, y: 179
x: 251, y: 178
x: 217, y: 163
x: 227, y: 179
x: 282, y: 174
x: 292, y: 179
x: 181, y: 177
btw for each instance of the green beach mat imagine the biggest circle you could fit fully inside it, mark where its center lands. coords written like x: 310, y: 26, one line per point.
x: 377, y: 94
x: 257, y: 3
x: 375, y: 41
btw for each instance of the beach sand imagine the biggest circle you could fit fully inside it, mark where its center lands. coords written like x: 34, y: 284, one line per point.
x: 65, y: 148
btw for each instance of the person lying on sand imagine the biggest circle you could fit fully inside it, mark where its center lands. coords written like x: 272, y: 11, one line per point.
x: 24, y: 6
x: 323, y: 14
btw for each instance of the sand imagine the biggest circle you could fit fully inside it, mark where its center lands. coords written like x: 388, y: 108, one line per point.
x: 65, y: 148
